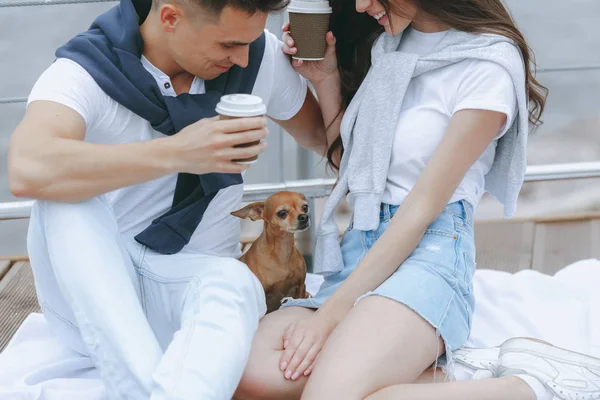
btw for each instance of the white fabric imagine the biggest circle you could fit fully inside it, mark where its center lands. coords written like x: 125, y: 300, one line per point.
x: 67, y: 83
x: 156, y: 326
x: 564, y: 310
x: 430, y: 102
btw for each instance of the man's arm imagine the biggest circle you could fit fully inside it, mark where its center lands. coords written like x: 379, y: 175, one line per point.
x: 307, y: 126
x: 48, y: 159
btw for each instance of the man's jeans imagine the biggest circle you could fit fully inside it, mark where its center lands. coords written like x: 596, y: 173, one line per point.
x: 156, y: 326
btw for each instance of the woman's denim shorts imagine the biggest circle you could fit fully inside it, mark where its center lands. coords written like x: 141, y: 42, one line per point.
x: 436, y: 280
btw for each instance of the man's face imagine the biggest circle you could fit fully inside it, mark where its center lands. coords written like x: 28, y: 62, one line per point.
x: 208, y: 46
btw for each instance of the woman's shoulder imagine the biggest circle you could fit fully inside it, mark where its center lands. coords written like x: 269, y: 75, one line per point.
x: 474, y: 67
x: 492, y: 45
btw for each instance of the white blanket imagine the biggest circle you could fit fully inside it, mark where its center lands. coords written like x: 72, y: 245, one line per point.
x: 563, y: 309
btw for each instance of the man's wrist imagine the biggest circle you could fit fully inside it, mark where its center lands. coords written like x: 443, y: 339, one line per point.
x: 164, y: 155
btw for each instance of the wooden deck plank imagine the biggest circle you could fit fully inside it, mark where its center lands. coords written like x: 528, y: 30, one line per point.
x: 558, y: 244
x: 17, y: 300
x: 504, y: 246
x: 4, y: 267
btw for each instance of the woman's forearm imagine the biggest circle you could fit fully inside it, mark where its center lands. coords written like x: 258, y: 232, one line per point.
x: 330, y: 99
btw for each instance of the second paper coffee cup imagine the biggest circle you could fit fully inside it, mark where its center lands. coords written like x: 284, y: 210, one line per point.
x: 234, y: 106
x: 309, y: 23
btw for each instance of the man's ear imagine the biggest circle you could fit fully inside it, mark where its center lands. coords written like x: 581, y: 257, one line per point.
x: 254, y: 211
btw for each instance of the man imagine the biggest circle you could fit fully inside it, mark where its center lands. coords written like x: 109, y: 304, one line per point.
x: 131, y: 241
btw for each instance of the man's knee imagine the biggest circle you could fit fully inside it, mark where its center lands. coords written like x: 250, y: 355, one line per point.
x: 76, y: 207
x: 87, y: 212
x: 236, y: 280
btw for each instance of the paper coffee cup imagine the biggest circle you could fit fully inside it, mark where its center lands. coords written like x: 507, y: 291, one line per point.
x: 309, y: 23
x: 234, y: 106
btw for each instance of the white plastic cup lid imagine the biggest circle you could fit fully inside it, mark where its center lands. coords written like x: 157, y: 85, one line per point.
x: 309, y: 7
x: 241, y: 105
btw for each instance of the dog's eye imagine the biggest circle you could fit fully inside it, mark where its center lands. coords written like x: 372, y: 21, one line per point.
x: 305, y: 208
x: 282, y: 214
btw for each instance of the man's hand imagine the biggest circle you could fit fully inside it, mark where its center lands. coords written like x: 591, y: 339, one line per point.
x: 209, y: 145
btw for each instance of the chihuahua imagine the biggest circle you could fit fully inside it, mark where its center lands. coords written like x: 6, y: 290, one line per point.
x: 273, y: 257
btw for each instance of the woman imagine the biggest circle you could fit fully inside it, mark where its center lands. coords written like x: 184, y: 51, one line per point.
x: 441, y: 116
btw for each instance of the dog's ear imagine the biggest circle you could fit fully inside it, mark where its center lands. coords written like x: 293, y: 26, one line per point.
x: 254, y: 211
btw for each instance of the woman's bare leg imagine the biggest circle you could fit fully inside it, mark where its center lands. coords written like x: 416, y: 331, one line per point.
x: 263, y: 380
x: 380, y: 343
x: 509, y: 387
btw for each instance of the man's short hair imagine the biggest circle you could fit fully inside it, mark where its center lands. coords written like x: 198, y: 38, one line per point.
x: 250, y: 6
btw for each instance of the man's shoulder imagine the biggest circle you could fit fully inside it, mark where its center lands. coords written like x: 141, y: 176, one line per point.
x: 68, y: 83
x: 70, y: 71
x: 273, y: 57
x: 271, y: 40
x: 68, y: 78
x: 272, y: 45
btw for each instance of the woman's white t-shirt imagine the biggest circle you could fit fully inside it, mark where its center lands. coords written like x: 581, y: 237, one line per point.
x: 430, y: 102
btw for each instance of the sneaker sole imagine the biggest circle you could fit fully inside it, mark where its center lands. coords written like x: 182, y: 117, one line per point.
x: 546, y: 350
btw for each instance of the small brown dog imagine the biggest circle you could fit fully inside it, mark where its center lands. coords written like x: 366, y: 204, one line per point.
x: 273, y: 257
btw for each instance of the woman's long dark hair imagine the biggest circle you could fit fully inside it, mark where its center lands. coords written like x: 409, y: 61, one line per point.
x: 356, y: 33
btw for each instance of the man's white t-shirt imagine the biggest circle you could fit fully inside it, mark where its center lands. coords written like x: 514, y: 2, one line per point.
x: 430, y: 102
x: 108, y: 122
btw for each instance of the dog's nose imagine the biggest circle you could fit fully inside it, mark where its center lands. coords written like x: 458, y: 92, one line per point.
x: 303, y: 218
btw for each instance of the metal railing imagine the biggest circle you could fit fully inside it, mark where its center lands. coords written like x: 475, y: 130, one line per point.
x: 319, y: 188
x: 30, y: 3
x: 311, y: 188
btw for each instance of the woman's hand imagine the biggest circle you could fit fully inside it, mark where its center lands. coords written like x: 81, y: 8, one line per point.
x: 302, y: 342
x: 315, y: 71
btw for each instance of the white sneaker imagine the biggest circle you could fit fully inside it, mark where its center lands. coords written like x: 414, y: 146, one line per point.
x: 483, y: 360
x: 569, y: 375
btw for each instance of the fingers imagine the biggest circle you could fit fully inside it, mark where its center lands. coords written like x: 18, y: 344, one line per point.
x: 305, y: 345
x: 309, y: 370
x: 303, y: 358
x: 240, y: 153
x: 238, y: 145
x: 288, y: 44
x: 239, y: 124
x: 241, y: 138
x: 331, y: 40
x: 290, y: 343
